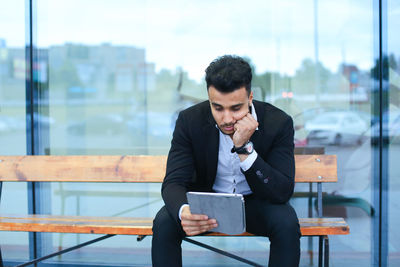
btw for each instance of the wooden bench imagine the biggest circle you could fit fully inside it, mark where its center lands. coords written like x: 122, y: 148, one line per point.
x: 141, y: 169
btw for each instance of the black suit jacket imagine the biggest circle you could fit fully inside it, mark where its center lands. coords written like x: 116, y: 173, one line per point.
x: 193, y: 157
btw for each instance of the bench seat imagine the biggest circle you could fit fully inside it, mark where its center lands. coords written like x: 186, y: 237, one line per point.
x: 137, y: 226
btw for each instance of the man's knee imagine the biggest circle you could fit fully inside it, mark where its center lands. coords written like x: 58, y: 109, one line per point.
x: 165, y: 226
x: 287, y: 223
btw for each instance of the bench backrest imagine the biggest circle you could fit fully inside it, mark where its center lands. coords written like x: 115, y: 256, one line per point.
x: 147, y: 169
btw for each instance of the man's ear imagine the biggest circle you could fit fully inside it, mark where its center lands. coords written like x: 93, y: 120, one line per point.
x: 251, y: 98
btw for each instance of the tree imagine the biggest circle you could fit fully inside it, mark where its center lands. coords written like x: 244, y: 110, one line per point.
x: 311, y: 78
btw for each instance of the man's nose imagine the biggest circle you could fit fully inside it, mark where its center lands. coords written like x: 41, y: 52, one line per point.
x: 227, y: 117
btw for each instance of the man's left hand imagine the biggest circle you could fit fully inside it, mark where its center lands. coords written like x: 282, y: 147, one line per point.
x: 244, y: 129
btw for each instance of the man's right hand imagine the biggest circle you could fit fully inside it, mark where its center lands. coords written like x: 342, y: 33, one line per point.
x: 195, y: 224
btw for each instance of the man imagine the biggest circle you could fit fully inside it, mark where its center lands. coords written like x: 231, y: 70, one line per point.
x: 230, y: 144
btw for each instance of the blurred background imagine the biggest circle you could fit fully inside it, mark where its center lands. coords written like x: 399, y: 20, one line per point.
x: 110, y: 77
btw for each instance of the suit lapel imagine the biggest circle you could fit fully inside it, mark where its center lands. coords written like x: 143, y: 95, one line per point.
x: 211, y: 135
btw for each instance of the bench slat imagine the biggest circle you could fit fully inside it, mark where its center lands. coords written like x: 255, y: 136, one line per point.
x: 82, y: 168
x: 77, y: 224
x: 148, y: 169
x: 316, y: 168
x: 137, y: 226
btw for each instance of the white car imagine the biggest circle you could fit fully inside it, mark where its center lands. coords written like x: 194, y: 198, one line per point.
x: 335, y: 128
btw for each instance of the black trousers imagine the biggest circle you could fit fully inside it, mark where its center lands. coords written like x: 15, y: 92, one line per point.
x: 279, y: 222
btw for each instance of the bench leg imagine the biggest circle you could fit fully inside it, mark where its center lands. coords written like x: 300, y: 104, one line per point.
x: 326, y: 251
x: 310, y: 250
x: 1, y: 259
x: 323, y: 251
x: 320, y: 251
x: 140, y: 237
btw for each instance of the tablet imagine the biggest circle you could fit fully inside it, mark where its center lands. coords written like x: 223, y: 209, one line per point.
x: 227, y: 209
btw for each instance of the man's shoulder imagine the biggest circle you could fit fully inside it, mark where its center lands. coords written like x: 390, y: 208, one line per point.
x: 199, y: 106
x: 199, y: 110
x: 195, y: 119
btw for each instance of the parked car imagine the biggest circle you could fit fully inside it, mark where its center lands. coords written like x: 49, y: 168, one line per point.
x: 335, y: 128
x: 301, y: 118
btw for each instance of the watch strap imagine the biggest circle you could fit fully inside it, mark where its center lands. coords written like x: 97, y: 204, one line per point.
x: 243, y: 149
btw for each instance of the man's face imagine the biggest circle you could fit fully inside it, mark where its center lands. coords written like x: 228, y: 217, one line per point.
x: 228, y: 108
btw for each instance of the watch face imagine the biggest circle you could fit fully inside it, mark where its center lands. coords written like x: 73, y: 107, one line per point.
x: 249, y: 147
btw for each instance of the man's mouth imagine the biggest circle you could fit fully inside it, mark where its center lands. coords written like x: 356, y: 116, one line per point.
x: 228, y: 127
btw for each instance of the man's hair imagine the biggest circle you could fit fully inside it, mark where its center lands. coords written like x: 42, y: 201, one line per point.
x: 229, y: 73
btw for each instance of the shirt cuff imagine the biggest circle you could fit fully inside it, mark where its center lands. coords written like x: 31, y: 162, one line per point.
x: 180, y: 210
x: 246, y: 164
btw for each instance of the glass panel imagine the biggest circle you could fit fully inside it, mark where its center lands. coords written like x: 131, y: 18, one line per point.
x: 118, y: 77
x: 330, y: 103
x: 392, y: 132
x: 14, y: 245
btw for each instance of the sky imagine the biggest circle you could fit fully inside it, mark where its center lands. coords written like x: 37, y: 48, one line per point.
x: 275, y: 35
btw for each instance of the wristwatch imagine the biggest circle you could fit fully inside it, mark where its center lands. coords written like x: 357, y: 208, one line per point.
x: 246, y: 149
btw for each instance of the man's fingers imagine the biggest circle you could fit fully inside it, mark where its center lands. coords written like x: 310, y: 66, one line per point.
x: 194, y: 224
x: 194, y: 217
x: 195, y: 230
x: 249, y: 121
x: 246, y: 123
x: 195, y: 227
x: 198, y: 223
x: 202, y: 228
x: 244, y: 129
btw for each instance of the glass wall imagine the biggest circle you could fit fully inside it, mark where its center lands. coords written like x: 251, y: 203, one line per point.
x: 13, y: 118
x: 392, y: 132
x: 112, y: 77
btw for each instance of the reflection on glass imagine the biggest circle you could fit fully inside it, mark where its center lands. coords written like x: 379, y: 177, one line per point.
x: 14, y: 245
x: 391, y: 133
x: 336, y: 128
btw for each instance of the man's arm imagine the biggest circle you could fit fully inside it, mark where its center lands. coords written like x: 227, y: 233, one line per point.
x: 273, y: 178
x: 180, y: 169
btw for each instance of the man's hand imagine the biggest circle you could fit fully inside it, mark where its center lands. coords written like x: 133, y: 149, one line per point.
x: 244, y: 129
x: 194, y: 224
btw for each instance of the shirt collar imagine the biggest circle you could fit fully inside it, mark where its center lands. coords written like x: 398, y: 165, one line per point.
x: 253, y: 113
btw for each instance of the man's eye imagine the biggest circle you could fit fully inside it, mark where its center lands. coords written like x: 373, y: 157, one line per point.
x: 236, y: 109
